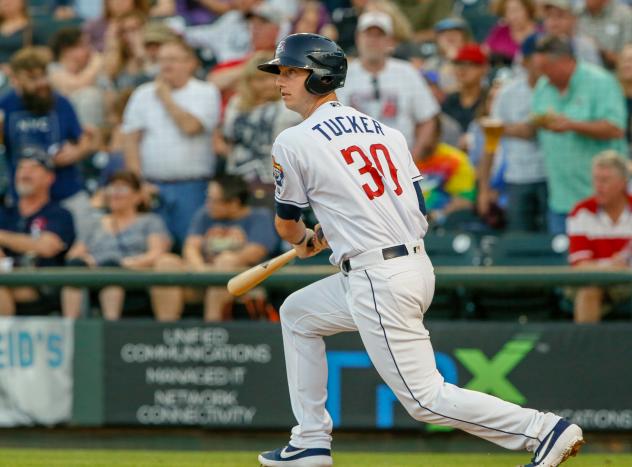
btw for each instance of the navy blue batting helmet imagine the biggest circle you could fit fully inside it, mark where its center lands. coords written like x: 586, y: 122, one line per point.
x: 322, y: 56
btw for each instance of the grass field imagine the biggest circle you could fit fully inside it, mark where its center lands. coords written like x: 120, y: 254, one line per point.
x: 114, y: 458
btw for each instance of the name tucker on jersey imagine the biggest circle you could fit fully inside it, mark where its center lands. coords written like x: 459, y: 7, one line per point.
x: 347, y: 124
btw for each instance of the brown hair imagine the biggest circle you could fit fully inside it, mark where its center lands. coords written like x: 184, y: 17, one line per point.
x: 124, y: 52
x: 501, y: 5
x: 140, y: 5
x: 128, y: 177
x: 30, y: 59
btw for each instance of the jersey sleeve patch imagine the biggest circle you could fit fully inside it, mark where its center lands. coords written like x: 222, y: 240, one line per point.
x: 277, y: 173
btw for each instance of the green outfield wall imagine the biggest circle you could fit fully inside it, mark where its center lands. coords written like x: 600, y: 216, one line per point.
x: 232, y: 375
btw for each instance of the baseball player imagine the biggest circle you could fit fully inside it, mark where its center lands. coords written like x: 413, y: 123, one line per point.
x: 359, y: 178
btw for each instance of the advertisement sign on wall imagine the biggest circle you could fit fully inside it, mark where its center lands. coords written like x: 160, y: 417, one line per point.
x: 195, y: 374
x: 233, y: 375
x: 36, y: 379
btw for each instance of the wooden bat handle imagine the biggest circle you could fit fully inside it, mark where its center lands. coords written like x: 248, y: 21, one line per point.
x: 243, y: 282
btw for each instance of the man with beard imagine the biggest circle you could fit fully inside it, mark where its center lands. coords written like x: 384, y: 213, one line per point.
x: 37, y: 232
x: 37, y: 118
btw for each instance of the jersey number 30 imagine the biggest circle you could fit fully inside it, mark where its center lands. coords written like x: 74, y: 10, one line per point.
x: 374, y: 168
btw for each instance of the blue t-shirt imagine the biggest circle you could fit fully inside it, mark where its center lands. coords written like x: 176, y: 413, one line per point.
x: 49, y: 132
x: 223, y: 235
x: 51, y: 218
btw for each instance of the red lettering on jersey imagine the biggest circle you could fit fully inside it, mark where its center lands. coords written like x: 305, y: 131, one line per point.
x: 376, y: 171
x: 366, y: 168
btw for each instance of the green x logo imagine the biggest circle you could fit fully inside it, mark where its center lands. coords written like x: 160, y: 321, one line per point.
x: 490, y: 375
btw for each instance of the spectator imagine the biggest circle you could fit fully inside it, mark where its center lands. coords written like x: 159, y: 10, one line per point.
x: 266, y: 24
x: 600, y: 232
x: 524, y: 171
x: 579, y: 111
x: 226, y: 233
x: 560, y: 20
x: 424, y: 15
x: 345, y: 20
x: 76, y: 73
x: 478, y: 15
x: 114, y: 10
x: 16, y: 30
x: 451, y: 34
x: 123, y: 238
x: 517, y: 23
x: 168, y: 124
x: 490, y: 208
x: 313, y: 18
x: 388, y: 89
x: 162, y: 8
x: 449, y: 183
x: 228, y: 37
x: 609, y: 24
x: 253, y: 119
x: 470, y: 69
x: 201, y: 12
x: 124, y: 53
x: 625, y: 78
x: 451, y: 132
x: 37, y: 232
x: 35, y: 116
x: 58, y: 9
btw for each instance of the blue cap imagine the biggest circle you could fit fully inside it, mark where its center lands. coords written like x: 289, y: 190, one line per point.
x: 38, y: 155
x: 528, y: 46
x: 448, y: 24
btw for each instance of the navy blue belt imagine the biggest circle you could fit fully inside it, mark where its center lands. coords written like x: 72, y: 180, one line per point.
x: 387, y: 253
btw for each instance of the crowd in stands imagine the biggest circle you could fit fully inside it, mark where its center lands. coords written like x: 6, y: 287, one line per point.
x: 137, y: 133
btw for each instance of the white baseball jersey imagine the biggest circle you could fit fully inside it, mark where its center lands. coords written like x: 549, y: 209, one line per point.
x: 356, y: 173
x: 358, y: 176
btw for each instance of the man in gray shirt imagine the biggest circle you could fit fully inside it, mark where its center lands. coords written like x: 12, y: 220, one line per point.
x: 610, y: 24
x: 524, y: 175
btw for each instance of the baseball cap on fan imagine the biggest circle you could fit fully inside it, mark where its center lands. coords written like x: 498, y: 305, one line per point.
x: 38, y: 155
x: 471, y: 53
x: 375, y: 19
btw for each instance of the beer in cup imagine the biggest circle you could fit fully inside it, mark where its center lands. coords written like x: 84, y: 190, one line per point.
x: 493, y: 130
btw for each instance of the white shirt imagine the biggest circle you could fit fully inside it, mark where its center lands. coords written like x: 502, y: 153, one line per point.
x: 166, y: 152
x: 404, y: 97
x: 525, y: 161
x: 329, y: 162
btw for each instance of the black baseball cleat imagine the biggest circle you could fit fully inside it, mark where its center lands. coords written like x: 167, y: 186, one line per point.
x: 562, y: 442
x: 296, y: 457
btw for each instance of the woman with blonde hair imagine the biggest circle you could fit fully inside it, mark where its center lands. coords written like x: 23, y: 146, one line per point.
x: 254, y: 117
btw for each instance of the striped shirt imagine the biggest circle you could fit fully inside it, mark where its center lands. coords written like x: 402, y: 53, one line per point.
x: 594, y: 235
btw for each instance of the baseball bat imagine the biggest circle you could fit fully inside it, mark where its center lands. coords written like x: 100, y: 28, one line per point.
x: 243, y: 282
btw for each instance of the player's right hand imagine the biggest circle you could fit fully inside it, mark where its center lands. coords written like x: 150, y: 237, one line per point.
x: 310, y: 246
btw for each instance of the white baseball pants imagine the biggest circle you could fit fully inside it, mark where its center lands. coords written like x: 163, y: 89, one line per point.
x: 386, y: 302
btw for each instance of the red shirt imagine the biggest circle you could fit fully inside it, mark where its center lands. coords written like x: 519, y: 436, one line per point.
x: 592, y: 233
